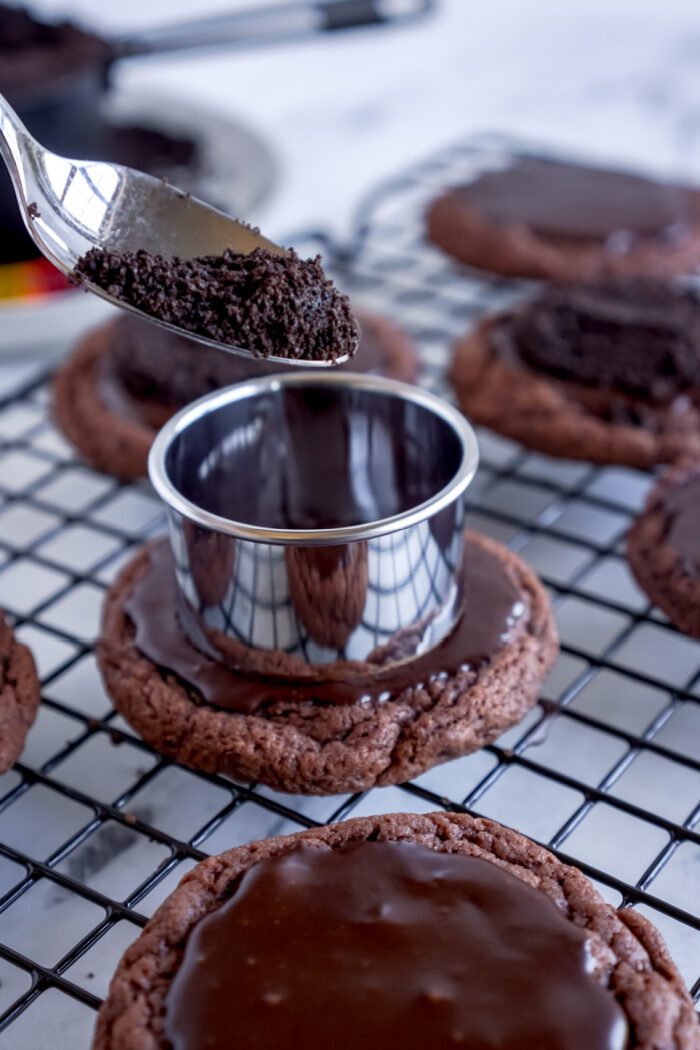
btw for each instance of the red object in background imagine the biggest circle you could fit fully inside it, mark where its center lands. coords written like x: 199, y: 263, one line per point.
x: 25, y: 280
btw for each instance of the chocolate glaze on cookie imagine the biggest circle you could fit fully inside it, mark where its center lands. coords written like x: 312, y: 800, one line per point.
x: 404, y: 946
x: 151, y: 371
x: 126, y: 378
x: 576, y: 201
x: 627, y: 955
x: 270, y: 304
x: 491, y: 607
x: 638, y: 338
x: 314, y: 747
x: 607, y: 372
x: 544, y: 218
x: 682, y: 505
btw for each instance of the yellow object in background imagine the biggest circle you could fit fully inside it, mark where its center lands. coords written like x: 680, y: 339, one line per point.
x: 25, y: 280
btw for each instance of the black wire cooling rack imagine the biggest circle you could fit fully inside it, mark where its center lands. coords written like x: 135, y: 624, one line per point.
x: 96, y: 828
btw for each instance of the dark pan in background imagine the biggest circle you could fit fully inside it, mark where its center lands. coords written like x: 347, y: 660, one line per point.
x: 66, y: 112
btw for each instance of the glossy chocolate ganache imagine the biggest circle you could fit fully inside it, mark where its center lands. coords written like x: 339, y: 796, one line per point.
x: 271, y: 304
x: 379, y: 945
x: 567, y: 201
x: 149, y: 372
x: 682, y: 506
x: 633, y: 342
x: 491, y: 608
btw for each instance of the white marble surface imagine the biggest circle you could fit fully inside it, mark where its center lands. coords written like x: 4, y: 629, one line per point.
x: 618, y: 79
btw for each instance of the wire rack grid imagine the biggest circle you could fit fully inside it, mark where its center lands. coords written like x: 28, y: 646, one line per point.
x: 96, y: 828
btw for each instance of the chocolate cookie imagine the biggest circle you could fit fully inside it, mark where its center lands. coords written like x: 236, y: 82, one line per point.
x: 555, y: 963
x: 663, y: 547
x: 19, y: 695
x: 541, y: 217
x: 608, y: 373
x: 126, y: 378
x: 347, y: 726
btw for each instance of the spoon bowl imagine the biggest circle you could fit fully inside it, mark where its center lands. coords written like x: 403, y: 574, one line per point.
x: 70, y: 206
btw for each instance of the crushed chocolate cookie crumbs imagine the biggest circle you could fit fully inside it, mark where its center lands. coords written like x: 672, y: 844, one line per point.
x: 272, y: 305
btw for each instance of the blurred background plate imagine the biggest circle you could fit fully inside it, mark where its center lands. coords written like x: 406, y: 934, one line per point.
x: 236, y: 170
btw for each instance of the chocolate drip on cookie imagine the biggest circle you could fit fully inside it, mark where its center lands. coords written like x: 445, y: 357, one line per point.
x: 491, y: 607
x: 637, y: 339
x: 388, y: 944
x: 575, y: 201
x: 271, y: 304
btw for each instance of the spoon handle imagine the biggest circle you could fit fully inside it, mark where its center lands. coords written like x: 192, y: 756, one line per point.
x: 276, y: 22
x: 13, y: 139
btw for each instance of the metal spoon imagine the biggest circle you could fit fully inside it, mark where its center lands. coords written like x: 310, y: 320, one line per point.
x: 70, y: 206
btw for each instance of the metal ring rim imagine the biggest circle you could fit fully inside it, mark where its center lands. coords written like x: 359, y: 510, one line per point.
x: 210, y: 403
